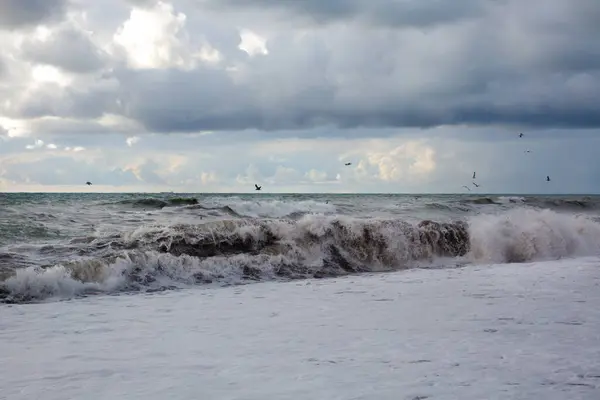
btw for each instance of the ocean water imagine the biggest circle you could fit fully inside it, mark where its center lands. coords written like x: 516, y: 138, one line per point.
x: 69, y: 246
x: 248, y: 297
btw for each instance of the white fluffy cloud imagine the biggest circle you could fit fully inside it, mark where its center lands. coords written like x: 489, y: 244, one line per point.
x: 152, y: 38
x: 36, y: 145
x: 411, y: 160
x: 132, y: 140
x: 219, y: 95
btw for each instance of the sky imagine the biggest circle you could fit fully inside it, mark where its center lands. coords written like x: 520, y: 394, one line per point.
x: 217, y: 95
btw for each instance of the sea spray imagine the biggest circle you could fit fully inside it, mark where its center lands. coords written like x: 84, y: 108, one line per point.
x: 523, y: 235
x: 241, y: 250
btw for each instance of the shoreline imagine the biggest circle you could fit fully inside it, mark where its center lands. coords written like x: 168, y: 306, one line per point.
x: 501, y: 331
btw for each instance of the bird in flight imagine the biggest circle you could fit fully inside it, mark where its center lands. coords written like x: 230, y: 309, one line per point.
x: 256, y: 187
x: 527, y: 151
x: 476, y: 185
x: 466, y: 187
x: 348, y: 163
x: 88, y: 183
x: 473, y: 175
x: 547, y: 179
x: 520, y: 135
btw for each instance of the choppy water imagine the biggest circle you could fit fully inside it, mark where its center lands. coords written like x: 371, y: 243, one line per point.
x: 65, y: 245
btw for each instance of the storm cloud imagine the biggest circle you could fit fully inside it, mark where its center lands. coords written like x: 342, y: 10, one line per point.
x: 82, y: 55
x: 416, y: 64
x: 226, y: 73
x: 394, y: 13
x: 15, y: 14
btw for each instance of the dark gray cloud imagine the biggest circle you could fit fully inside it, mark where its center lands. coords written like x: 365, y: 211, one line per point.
x: 544, y: 72
x: 509, y: 64
x: 68, y: 49
x: 142, y: 3
x: 71, y: 128
x: 74, y: 101
x: 175, y: 100
x: 396, y: 13
x: 15, y: 14
x: 167, y: 101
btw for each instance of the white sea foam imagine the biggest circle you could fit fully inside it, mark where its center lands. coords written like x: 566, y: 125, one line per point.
x: 522, y: 235
x: 489, y: 332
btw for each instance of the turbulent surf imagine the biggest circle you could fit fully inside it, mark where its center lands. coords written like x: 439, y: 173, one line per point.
x: 63, y: 246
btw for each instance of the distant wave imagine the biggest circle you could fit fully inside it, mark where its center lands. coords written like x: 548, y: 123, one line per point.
x: 236, y: 207
x: 267, y: 208
x: 571, y: 204
x: 151, y: 202
x: 447, y: 207
x: 315, y: 246
x: 466, y: 204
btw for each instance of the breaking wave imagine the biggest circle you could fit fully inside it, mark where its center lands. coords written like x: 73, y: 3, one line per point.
x: 267, y: 208
x: 151, y: 202
x: 315, y: 246
x: 578, y: 203
x: 235, y: 207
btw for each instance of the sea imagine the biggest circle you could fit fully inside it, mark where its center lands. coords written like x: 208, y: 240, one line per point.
x: 299, y: 297
x: 72, y: 246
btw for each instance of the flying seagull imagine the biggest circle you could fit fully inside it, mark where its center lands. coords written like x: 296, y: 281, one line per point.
x: 476, y: 185
x: 527, y: 151
x: 256, y: 187
x: 348, y: 163
x: 473, y: 175
x: 520, y: 135
x: 466, y: 187
x: 547, y: 179
x: 88, y: 183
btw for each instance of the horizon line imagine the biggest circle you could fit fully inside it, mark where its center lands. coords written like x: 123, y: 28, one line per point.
x: 321, y: 193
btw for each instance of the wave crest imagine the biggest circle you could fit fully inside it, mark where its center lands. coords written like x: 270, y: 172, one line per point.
x: 151, y: 202
x: 244, y: 250
x: 522, y: 235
